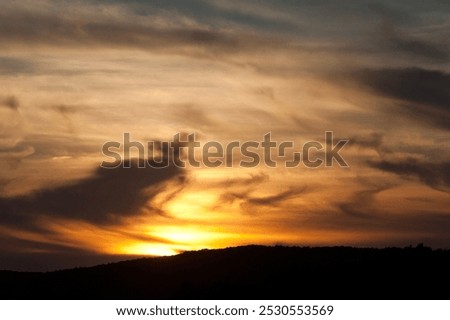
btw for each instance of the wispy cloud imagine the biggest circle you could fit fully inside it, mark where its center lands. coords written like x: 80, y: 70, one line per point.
x: 416, y: 93
x: 435, y: 175
x: 107, y: 197
x: 10, y: 102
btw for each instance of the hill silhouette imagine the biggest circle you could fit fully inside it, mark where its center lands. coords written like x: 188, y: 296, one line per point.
x: 249, y: 272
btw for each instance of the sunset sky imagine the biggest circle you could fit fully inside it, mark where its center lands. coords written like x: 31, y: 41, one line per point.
x: 76, y: 74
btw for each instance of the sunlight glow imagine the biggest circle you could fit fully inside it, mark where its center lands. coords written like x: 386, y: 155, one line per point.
x: 148, y: 249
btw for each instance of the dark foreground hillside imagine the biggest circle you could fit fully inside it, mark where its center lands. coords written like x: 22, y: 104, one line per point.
x: 251, y: 272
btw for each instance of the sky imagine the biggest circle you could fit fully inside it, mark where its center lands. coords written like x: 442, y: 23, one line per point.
x: 77, y: 74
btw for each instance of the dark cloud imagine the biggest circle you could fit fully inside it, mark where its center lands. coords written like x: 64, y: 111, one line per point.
x: 194, y: 116
x: 400, y: 31
x: 265, y: 92
x: 413, y: 85
x: 418, y: 93
x: 276, y: 199
x: 61, y: 30
x: 150, y: 36
x: 67, y: 111
x: 15, y: 66
x: 250, y: 204
x: 16, y: 152
x: 10, y: 102
x: 236, y: 189
x: 104, y: 198
x: 411, y: 45
x: 435, y: 175
x: 389, y: 13
x: 34, y: 255
x: 373, y: 141
x: 362, y: 203
x: 12, y: 244
x: 251, y: 180
x: 389, y: 229
x: 47, y: 145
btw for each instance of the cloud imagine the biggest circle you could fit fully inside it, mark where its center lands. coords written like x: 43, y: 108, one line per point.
x: 252, y: 204
x: 373, y: 141
x: 12, y: 244
x: 418, y: 93
x: 106, y: 197
x: 194, y: 116
x: 414, y: 85
x: 435, y: 175
x: 411, y: 45
x: 10, y: 102
x: 362, y: 204
x: 275, y: 199
x: 155, y: 33
x: 34, y: 255
x: 15, y: 66
x: 16, y: 152
x: 52, y: 145
x: 67, y: 111
x: 251, y: 180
